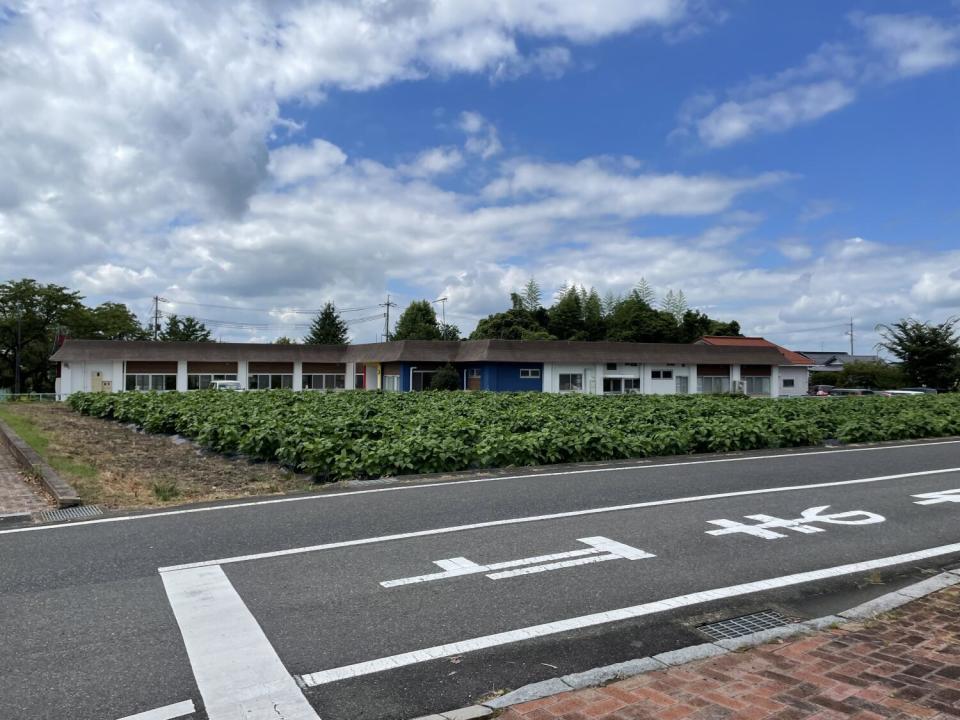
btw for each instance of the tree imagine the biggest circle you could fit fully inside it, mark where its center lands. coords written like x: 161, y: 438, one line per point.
x: 284, y: 340
x: 566, y: 316
x: 327, y: 328
x: 417, y: 322
x: 186, y: 329
x: 446, y: 378
x: 593, y: 324
x: 929, y: 354
x: 115, y: 321
x: 873, y: 375
x: 449, y: 331
x: 634, y: 320
x: 532, y: 296
x: 517, y: 323
x: 645, y: 292
x: 675, y: 304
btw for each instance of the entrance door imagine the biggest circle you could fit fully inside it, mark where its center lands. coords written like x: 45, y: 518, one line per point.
x: 474, y: 379
x: 683, y: 385
x: 421, y: 379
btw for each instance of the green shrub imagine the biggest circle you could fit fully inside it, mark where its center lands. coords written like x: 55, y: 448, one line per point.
x: 359, y: 434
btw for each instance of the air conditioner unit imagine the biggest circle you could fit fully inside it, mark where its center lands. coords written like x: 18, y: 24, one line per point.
x: 738, y: 387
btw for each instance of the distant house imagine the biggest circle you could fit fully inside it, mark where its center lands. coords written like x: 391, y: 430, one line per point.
x: 834, y: 361
x: 793, y: 376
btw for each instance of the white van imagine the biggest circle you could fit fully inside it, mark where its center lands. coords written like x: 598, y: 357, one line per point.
x: 225, y: 385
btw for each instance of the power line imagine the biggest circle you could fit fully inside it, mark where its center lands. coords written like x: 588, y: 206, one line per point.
x: 297, y: 311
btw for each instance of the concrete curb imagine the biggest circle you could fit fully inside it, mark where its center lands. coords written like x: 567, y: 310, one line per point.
x: 62, y: 492
x: 663, y: 661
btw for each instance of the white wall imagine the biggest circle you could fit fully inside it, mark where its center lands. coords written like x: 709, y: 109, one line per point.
x: 801, y: 380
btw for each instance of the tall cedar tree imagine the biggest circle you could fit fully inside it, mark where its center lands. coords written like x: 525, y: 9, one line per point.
x: 418, y: 322
x: 185, y: 329
x: 327, y: 328
x: 929, y: 354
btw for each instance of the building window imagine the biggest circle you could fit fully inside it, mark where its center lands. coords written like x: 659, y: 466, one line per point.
x: 661, y: 374
x: 324, y: 381
x: 631, y: 385
x: 359, y: 381
x: 270, y: 382
x: 756, y: 385
x: 712, y: 385
x: 478, y: 372
x: 202, y: 381
x: 146, y: 383
x: 571, y: 382
x: 611, y: 366
x: 391, y: 383
x: 530, y: 373
x: 612, y: 386
x: 789, y: 383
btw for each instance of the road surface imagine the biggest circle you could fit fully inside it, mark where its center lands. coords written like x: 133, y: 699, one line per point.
x: 402, y: 599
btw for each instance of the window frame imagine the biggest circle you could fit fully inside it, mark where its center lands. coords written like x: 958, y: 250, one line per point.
x: 531, y: 373
x: 571, y: 387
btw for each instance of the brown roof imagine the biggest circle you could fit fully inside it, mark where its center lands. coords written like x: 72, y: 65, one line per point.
x: 793, y: 358
x: 558, y: 351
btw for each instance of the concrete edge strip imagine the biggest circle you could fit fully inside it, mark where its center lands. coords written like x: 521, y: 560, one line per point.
x: 63, y: 493
x: 619, y: 671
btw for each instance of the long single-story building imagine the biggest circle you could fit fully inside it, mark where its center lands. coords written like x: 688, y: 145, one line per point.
x: 794, y: 373
x: 600, y: 368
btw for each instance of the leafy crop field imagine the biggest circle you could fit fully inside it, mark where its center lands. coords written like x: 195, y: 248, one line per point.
x: 365, y: 434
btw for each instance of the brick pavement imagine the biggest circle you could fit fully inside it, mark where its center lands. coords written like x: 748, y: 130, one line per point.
x: 16, y: 494
x: 903, y: 665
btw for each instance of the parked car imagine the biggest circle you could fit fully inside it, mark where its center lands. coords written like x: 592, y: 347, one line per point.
x: 896, y: 393
x: 849, y: 392
x: 929, y: 391
x: 821, y: 390
x: 226, y: 385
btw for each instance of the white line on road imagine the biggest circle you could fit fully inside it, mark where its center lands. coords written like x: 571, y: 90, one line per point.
x: 454, y: 483
x: 167, y: 712
x: 237, y: 670
x: 551, y: 516
x: 628, y: 613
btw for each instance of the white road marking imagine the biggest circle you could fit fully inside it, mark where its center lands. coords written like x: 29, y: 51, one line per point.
x: 942, y: 496
x: 237, y: 670
x: 628, y: 613
x: 454, y: 483
x: 167, y: 712
x: 765, y: 523
x: 601, y: 549
x: 551, y: 516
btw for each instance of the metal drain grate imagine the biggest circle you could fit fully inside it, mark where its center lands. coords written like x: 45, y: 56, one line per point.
x: 71, y: 513
x: 745, y: 624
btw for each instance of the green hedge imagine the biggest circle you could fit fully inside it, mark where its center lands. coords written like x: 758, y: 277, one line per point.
x: 367, y: 434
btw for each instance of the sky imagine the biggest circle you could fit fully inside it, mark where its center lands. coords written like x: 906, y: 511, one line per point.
x: 788, y: 165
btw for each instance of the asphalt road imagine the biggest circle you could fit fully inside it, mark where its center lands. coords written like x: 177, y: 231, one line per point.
x: 410, y: 598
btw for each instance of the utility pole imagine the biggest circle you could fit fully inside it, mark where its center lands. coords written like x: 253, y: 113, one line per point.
x: 386, y: 316
x: 156, y: 315
x: 851, y: 335
x: 16, y: 372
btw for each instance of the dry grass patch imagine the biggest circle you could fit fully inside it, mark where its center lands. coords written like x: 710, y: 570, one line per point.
x: 113, y: 465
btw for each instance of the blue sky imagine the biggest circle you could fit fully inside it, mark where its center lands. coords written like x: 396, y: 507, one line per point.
x: 789, y: 165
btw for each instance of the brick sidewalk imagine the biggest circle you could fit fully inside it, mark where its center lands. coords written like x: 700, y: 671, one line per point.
x: 905, y: 665
x: 16, y: 494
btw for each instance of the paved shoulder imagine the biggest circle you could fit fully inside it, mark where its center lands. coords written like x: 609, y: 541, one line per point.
x: 17, y: 496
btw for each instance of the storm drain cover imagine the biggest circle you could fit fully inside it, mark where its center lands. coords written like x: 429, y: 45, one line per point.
x: 71, y: 513
x: 745, y: 625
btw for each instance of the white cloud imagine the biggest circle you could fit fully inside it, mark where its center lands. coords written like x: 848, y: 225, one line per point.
x: 291, y: 163
x: 732, y: 121
x: 913, y: 44
x: 435, y: 161
x: 890, y: 47
x: 794, y: 249
x: 482, y: 137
